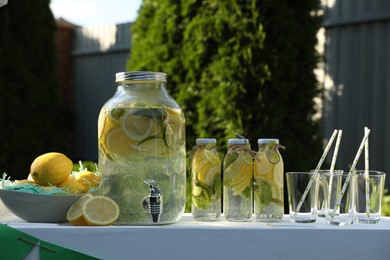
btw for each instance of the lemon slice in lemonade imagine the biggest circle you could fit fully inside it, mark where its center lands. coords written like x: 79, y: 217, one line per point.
x: 118, y: 144
x: 136, y: 126
x: 153, y: 147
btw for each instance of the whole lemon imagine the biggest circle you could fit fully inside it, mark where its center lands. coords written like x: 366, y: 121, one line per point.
x: 51, y: 169
x: 87, y: 179
x: 73, y: 186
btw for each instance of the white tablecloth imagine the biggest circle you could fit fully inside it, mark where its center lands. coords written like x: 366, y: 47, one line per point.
x: 189, y: 239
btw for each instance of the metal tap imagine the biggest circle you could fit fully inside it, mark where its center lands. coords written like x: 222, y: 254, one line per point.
x: 153, y: 203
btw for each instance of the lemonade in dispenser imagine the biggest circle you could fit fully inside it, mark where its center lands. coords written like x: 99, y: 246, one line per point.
x: 142, y: 156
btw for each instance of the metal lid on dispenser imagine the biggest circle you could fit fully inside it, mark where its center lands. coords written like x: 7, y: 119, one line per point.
x: 140, y: 75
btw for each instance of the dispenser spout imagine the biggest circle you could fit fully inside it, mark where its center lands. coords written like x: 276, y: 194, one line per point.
x: 153, y: 203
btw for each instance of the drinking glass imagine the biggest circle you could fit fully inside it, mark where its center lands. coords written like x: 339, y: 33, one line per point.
x: 296, y: 185
x: 322, y: 190
x: 339, y: 208
x: 371, y: 213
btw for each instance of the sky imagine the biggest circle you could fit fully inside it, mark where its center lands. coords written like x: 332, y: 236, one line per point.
x: 88, y: 13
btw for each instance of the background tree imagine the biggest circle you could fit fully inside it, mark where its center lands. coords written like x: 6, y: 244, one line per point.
x: 237, y: 66
x: 32, y: 119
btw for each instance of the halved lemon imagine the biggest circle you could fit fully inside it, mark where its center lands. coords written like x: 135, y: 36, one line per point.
x: 100, y: 211
x: 75, y: 214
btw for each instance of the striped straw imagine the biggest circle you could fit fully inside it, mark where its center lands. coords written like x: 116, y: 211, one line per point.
x: 336, y: 150
x: 335, y: 153
x: 366, y: 163
x: 351, y: 171
x: 314, y: 176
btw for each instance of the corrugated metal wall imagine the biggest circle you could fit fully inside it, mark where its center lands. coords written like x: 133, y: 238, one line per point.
x: 99, y: 53
x: 357, y: 82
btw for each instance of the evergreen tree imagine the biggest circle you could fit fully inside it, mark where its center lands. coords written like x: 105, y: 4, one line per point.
x: 32, y: 120
x: 237, y: 66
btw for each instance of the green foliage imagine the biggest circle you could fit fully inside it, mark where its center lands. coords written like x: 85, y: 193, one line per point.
x: 237, y: 66
x: 88, y: 165
x: 32, y: 121
x: 386, y: 204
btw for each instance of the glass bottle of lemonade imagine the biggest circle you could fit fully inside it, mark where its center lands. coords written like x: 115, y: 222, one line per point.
x: 237, y: 181
x: 206, y: 181
x: 268, y: 186
x: 141, y: 137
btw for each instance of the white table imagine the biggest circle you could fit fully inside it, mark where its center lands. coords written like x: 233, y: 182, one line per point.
x: 188, y: 239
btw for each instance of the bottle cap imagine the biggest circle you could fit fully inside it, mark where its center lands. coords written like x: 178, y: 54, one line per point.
x: 267, y: 140
x: 206, y: 140
x: 238, y: 141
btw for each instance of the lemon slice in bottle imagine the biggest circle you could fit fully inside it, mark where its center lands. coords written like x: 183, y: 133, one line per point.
x: 100, y: 211
x: 246, y: 157
x: 278, y: 173
x: 211, y: 174
x: 262, y: 165
x: 213, y: 158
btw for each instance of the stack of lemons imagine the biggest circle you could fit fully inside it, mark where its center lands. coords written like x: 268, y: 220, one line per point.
x: 54, y: 170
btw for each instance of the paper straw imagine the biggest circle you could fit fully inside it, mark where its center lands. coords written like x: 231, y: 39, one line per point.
x: 355, y: 161
x: 335, y: 153
x: 366, y: 164
x: 316, y: 172
x: 336, y: 150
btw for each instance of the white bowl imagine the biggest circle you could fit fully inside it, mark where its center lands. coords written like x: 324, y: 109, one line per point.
x: 39, y: 208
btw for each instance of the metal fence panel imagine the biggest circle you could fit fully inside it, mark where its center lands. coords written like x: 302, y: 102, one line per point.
x: 358, y: 75
x: 99, y: 53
